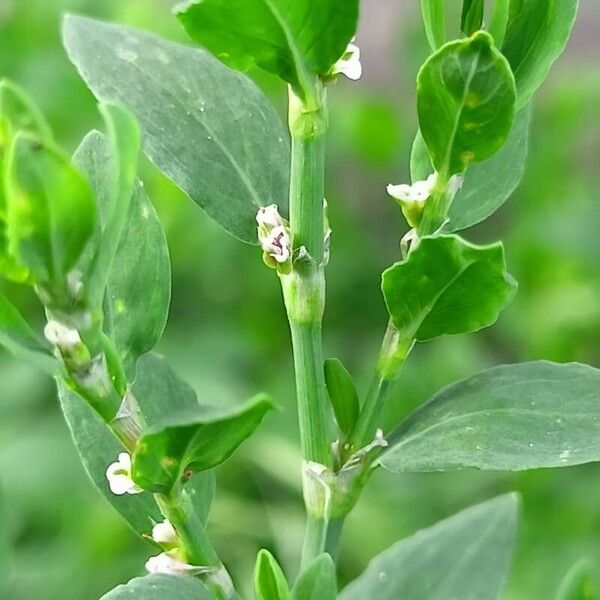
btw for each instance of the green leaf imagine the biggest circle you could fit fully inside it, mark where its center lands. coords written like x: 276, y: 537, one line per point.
x: 464, y: 557
x: 193, y: 440
x: 209, y: 129
x: 487, y: 185
x: 294, y: 39
x: 157, y: 391
x: 18, y: 338
x: 51, y: 214
x: 466, y: 103
x: 499, y: 21
x: 161, y: 587
x: 537, y: 34
x: 18, y: 112
x: 124, y: 135
x: 138, y: 289
x: 446, y: 286
x: 577, y: 583
x: 318, y: 581
x: 434, y: 19
x: 509, y: 418
x: 21, y: 112
x: 342, y: 394
x: 472, y: 16
x: 269, y: 580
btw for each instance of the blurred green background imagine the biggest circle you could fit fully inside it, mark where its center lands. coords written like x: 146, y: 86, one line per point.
x: 228, y: 336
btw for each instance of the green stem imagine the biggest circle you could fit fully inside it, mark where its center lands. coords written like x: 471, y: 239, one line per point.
x: 391, y: 358
x: 315, y: 538
x: 304, y: 294
x: 334, y: 533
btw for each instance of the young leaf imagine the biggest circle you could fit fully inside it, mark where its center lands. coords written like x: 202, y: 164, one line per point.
x: 157, y: 390
x: 487, y: 185
x: 192, y: 441
x: 124, y: 136
x: 161, y: 587
x: 509, y: 418
x: 269, y: 579
x: 18, y: 338
x: 499, y: 21
x: 138, y: 289
x: 209, y: 129
x: 537, y: 34
x: 446, y: 286
x: 21, y: 113
x: 472, y: 16
x: 318, y: 581
x: 466, y: 103
x: 434, y: 19
x: 465, y: 556
x: 294, y: 39
x: 577, y: 583
x: 342, y: 394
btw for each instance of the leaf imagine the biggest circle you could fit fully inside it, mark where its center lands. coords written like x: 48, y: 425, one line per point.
x: 509, y: 418
x: 318, y: 581
x: 577, y: 583
x: 269, y: 580
x: 342, y: 394
x: 446, y: 286
x: 487, y: 185
x: 18, y: 338
x: 294, y: 39
x: 499, y: 21
x: 124, y: 136
x: 155, y: 390
x: 51, y: 213
x: 161, y: 587
x: 537, y: 34
x: 18, y: 112
x: 466, y: 557
x: 434, y: 19
x: 193, y: 440
x: 209, y: 129
x: 465, y: 102
x: 472, y: 16
x: 21, y: 112
x: 138, y: 290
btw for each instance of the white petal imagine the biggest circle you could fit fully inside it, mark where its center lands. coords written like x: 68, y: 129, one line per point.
x: 164, y: 533
x: 400, y: 192
x: 60, y: 335
x: 269, y: 216
x: 120, y: 484
x: 163, y: 563
x: 125, y: 460
x: 349, y: 65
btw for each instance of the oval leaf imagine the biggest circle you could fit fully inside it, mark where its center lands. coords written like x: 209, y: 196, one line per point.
x: 18, y: 338
x: 209, y: 129
x: 446, y: 286
x: 465, y: 557
x: 51, y: 213
x: 466, y: 103
x: 487, y: 185
x: 537, y: 34
x: 342, y: 394
x: 294, y: 39
x: 318, y: 581
x: 269, y: 579
x: 161, y: 587
x: 138, y: 288
x: 193, y: 440
x: 511, y: 418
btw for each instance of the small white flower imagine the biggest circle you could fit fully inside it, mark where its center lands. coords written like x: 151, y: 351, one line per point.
x: 349, y: 64
x: 268, y: 216
x: 277, y: 244
x: 61, y: 336
x: 164, y: 533
x: 119, y: 476
x: 419, y: 191
x: 167, y: 565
